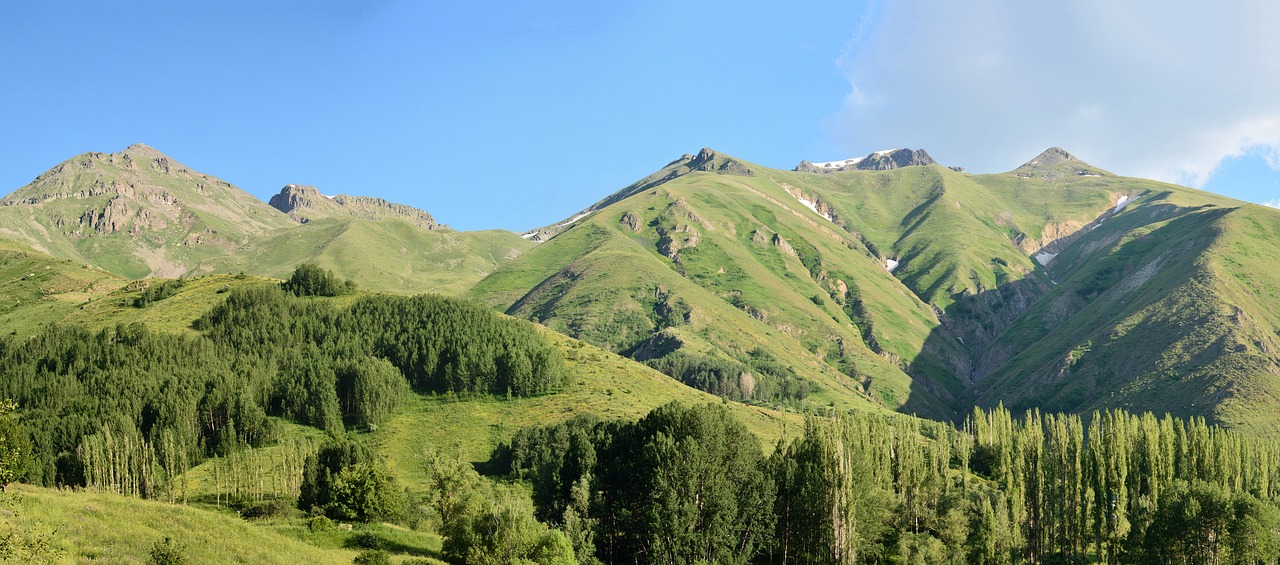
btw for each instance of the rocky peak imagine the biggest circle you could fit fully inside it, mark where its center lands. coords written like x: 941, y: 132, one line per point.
x: 1050, y: 156
x: 875, y: 161
x: 142, y: 150
x: 1056, y: 162
x: 295, y: 197
x: 709, y: 161
x: 306, y: 203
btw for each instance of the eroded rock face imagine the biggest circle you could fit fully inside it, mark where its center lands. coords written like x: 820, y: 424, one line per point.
x: 631, y: 221
x: 306, y: 203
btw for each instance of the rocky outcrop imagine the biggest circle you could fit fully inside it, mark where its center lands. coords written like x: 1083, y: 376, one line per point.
x: 305, y: 203
x: 877, y: 161
x: 631, y: 221
x: 783, y: 246
x: 712, y: 162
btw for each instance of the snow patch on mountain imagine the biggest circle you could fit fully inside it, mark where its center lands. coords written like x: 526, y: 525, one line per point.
x: 573, y: 219
x: 839, y: 164
x: 814, y: 206
x: 1124, y: 201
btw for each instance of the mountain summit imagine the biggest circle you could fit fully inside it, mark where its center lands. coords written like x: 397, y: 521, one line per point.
x: 305, y: 203
x: 877, y: 161
x: 1056, y: 162
x: 137, y: 213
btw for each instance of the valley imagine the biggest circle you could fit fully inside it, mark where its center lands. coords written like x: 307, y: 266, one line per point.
x: 952, y: 342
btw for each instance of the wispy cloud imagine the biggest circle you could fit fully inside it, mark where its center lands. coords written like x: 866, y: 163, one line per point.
x: 1142, y: 88
x: 1274, y: 203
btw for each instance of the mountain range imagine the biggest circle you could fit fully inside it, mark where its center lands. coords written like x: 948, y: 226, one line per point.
x: 888, y: 281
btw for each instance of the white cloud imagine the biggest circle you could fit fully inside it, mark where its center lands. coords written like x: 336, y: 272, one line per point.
x: 1146, y: 88
x: 1274, y: 203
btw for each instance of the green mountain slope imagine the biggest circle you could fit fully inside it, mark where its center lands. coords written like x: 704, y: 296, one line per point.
x: 135, y: 213
x: 1169, y: 306
x: 936, y: 288
x: 390, y: 255
x: 718, y: 262
x: 918, y: 288
x: 139, y: 213
x: 600, y: 383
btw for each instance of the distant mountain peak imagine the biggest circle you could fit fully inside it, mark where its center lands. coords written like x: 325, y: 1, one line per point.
x: 1050, y: 156
x: 1057, y: 162
x: 875, y: 161
x: 142, y: 149
x: 305, y: 203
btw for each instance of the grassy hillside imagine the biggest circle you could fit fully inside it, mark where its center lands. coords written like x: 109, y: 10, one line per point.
x: 1169, y: 306
x: 78, y: 527
x: 600, y: 384
x: 918, y: 289
x: 384, y: 255
x: 931, y: 288
x: 752, y: 267
x: 37, y: 289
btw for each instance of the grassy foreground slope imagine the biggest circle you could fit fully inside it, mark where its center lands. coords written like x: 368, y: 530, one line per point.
x: 91, y: 527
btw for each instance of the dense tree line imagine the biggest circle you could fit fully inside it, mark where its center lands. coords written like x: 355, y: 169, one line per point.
x: 439, y: 344
x: 682, y: 485
x: 126, y: 409
x: 688, y: 484
x: 760, y: 378
x: 120, y: 409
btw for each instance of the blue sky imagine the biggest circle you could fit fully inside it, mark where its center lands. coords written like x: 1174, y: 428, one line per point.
x: 515, y: 115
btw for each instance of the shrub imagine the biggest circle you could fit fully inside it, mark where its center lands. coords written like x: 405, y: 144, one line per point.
x: 158, y: 292
x: 367, y: 540
x: 273, y: 508
x: 167, y: 552
x: 320, y: 524
x: 372, y: 557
